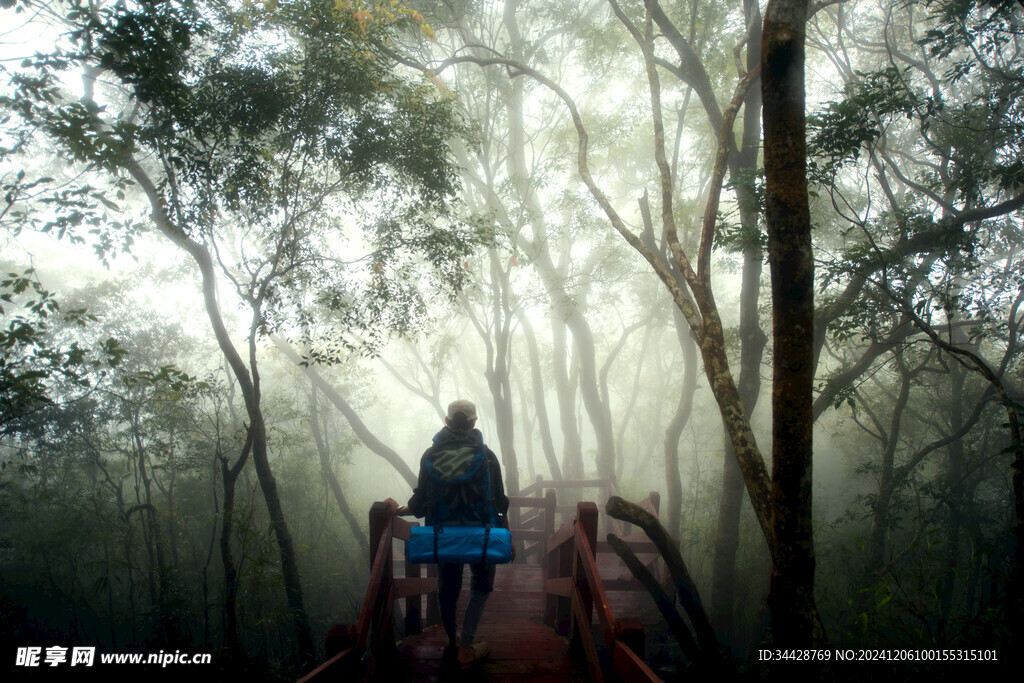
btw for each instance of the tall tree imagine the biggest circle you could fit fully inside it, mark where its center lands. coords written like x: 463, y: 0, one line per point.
x: 792, y: 267
x: 936, y: 116
x: 230, y: 135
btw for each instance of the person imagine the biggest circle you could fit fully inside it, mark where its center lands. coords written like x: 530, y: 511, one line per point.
x: 459, y: 432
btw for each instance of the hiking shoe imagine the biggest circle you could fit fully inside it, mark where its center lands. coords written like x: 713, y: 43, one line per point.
x: 468, y: 656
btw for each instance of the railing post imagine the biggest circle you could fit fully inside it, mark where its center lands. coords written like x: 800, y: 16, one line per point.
x: 631, y: 632
x: 655, y: 499
x: 563, y: 606
x: 383, y: 627
x: 586, y: 513
x: 433, y: 608
x: 586, y: 521
x: 550, y: 504
x: 413, y: 603
x: 380, y: 519
x: 548, y: 560
x: 538, y: 482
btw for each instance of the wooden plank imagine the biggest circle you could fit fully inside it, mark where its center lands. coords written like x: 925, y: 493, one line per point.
x: 550, y: 503
x: 572, y: 484
x: 530, y: 550
x: 335, y: 665
x: 630, y: 631
x: 561, y: 587
x: 519, y: 652
x: 534, y: 535
x: 536, y: 487
x: 400, y: 528
x: 409, y: 586
x: 566, y: 553
x: 522, y: 648
x: 532, y: 519
x: 582, y: 620
x: 627, y: 585
x: 629, y: 666
x: 597, y: 592
x: 564, y: 533
x: 413, y: 618
x: 381, y: 559
x: 383, y: 632
x: 527, y: 502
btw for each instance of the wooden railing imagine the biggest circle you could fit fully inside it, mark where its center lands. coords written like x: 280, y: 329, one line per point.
x: 575, y: 590
x: 376, y: 616
x: 606, y: 489
x: 571, y: 580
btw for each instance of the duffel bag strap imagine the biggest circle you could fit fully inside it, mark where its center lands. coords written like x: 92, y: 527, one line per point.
x: 487, y: 537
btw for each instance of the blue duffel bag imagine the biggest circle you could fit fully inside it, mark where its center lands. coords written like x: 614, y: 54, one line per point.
x: 463, y: 544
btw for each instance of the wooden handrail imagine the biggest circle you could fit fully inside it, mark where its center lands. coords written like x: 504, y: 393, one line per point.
x: 401, y: 529
x: 564, y: 534
x: 570, y: 578
x: 570, y: 550
x: 595, y: 587
x: 378, y: 586
x: 542, y: 484
x: 582, y: 631
x: 526, y: 502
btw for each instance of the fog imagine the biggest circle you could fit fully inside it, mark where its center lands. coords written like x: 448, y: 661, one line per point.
x: 253, y: 251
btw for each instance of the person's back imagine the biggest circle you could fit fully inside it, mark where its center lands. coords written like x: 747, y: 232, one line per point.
x: 460, y: 484
x: 459, y: 478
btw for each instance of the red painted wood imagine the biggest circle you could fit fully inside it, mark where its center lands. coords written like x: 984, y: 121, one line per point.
x: 597, y: 592
x: 522, y: 647
x: 629, y: 666
x: 583, y: 631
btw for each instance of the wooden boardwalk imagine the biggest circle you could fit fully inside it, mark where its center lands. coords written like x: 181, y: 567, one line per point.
x: 522, y: 646
x: 549, y: 620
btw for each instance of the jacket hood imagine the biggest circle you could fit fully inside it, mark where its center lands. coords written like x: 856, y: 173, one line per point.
x: 447, y: 434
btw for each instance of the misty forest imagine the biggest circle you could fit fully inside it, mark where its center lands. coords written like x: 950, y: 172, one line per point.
x: 762, y: 259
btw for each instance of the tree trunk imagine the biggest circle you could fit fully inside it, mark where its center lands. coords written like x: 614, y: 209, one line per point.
x: 886, y: 481
x: 564, y: 308
x: 791, y: 598
x: 665, y: 604
x: 358, y: 426
x: 597, y: 410
x: 158, y: 569
x: 328, y: 472
x: 496, y: 336
x: 286, y: 547
x: 673, y: 481
x: 630, y: 409
x: 686, y: 589
x: 498, y: 373
x: 249, y: 386
x: 752, y: 338
x: 543, y: 425
x: 572, y: 448
x: 955, y: 473
x: 526, y: 421
x: 229, y: 476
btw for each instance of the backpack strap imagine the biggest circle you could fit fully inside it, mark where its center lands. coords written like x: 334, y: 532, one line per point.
x: 491, y: 509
